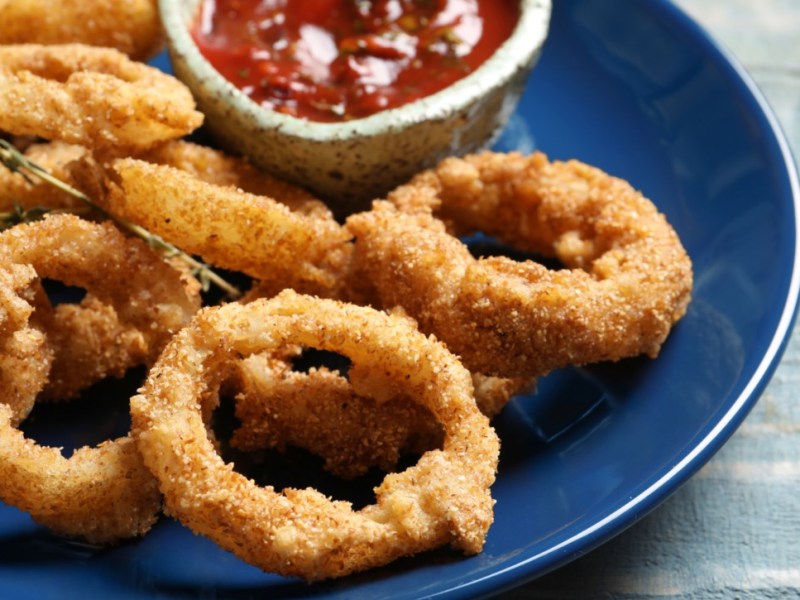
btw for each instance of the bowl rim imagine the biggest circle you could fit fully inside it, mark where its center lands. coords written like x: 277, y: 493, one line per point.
x: 518, y: 52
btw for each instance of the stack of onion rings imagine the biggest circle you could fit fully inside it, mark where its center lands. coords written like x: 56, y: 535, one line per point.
x: 627, y: 281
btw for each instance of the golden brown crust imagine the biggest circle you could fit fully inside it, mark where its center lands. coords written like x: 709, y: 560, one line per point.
x: 101, y: 495
x: 233, y: 229
x: 628, y: 279
x: 95, y: 97
x: 136, y: 303
x: 320, y: 411
x: 443, y: 499
x: 218, y: 168
x: 25, y: 354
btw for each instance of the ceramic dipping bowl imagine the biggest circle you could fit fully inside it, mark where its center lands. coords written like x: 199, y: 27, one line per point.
x: 350, y: 163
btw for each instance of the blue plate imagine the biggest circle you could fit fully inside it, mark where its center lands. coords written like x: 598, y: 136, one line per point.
x: 639, y: 90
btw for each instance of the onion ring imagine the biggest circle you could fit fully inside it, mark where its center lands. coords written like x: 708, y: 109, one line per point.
x: 443, y: 499
x: 266, y: 240
x: 136, y: 301
x: 628, y: 279
x: 95, y: 97
x: 101, y: 494
x: 131, y: 26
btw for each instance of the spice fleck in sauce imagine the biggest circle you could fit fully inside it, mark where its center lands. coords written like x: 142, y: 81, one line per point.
x: 334, y: 60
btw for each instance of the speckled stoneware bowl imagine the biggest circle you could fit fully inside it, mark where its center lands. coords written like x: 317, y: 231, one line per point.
x: 348, y: 164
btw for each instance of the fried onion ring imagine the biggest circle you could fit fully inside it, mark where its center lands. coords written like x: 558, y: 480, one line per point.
x: 136, y: 301
x: 131, y: 26
x: 101, y: 494
x: 628, y: 278
x: 443, y: 499
x: 95, y: 97
x: 232, y: 229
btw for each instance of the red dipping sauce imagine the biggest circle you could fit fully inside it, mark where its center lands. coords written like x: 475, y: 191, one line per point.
x: 335, y: 60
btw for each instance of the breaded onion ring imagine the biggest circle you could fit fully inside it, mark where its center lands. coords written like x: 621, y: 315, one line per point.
x: 628, y: 278
x: 95, y: 97
x: 130, y: 26
x: 443, y: 499
x: 101, y: 494
x: 320, y: 411
x: 136, y: 301
x: 233, y: 229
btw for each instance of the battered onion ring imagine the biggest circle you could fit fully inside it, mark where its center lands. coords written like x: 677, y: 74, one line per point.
x: 131, y: 26
x: 25, y: 355
x: 233, y: 229
x: 628, y: 278
x: 443, y: 499
x: 95, y: 97
x: 136, y: 301
x: 320, y: 411
x: 101, y: 494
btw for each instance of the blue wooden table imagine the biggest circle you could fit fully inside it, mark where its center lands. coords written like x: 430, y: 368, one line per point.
x: 733, y: 531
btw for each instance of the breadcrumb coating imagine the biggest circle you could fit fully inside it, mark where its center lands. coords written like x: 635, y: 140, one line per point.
x: 443, y: 499
x: 95, y: 97
x: 627, y: 279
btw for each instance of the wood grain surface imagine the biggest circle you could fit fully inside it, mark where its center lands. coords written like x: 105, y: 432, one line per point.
x: 733, y: 531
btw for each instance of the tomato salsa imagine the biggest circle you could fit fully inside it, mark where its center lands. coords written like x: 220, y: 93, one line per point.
x: 335, y: 60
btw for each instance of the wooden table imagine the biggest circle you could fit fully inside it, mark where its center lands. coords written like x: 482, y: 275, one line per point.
x: 733, y: 531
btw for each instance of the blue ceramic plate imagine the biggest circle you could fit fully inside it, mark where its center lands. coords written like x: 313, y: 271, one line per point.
x: 639, y: 90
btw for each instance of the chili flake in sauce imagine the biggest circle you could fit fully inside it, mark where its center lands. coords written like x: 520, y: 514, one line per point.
x: 334, y: 60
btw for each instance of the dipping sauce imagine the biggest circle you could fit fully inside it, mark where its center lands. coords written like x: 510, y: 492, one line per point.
x: 336, y: 60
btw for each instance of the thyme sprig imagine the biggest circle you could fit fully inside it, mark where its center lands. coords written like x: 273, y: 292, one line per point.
x: 18, y: 163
